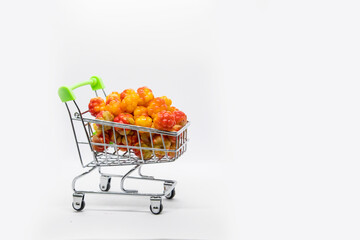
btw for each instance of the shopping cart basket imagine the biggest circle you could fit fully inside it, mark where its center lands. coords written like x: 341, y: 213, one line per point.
x: 122, y: 153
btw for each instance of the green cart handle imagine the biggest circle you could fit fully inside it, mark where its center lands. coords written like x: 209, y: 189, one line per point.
x: 66, y: 93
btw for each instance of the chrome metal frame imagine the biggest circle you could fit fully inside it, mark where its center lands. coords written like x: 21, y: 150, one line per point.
x: 112, y: 156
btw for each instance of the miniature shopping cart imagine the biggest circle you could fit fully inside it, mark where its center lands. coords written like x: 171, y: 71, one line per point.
x: 119, y: 153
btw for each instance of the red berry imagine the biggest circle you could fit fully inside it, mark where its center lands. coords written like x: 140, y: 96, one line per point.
x: 164, y: 120
x: 96, y: 105
x: 180, y: 117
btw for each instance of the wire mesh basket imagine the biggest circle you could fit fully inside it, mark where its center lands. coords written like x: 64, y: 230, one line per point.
x: 153, y: 146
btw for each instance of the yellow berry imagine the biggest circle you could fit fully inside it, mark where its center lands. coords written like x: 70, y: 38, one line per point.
x: 143, y: 121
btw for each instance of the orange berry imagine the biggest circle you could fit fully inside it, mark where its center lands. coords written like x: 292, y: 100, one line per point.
x: 100, y: 139
x: 174, y: 129
x: 129, y: 103
x: 140, y: 111
x: 105, y: 116
x: 113, y: 106
x: 167, y: 100
x: 156, y: 105
x: 127, y: 92
x: 180, y: 118
x: 112, y: 96
x: 146, y: 95
x: 164, y: 120
x: 172, y: 109
x: 143, y: 121
x: 124, y: 118
x: 96, y: 105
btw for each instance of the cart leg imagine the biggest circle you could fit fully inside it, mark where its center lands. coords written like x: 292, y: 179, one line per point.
x: 79, y: 176
x: 78, y: 201
x: 144, y: 176
x: 156, y: 206
x: 123, y: 179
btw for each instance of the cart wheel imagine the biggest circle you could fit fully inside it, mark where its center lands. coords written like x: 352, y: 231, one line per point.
x: 79, y: 207
x: 157, y: 210
x: 78, y: 201
x: 156, y: 206
x: 168, y: 186
x: 105, y: 183
x: 171, y: 195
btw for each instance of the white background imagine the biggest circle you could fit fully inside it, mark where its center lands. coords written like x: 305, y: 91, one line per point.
x: 271, y: 89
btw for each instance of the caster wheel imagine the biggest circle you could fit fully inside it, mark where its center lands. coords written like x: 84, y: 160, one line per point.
x: 171, y: 195
x: 156, y: 210
x: 78, y: 201
x: 105, y: 183
x: 156, y: 206
x: 79, y: 207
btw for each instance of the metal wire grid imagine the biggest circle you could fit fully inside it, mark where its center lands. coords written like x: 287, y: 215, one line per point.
x: 112, y: 156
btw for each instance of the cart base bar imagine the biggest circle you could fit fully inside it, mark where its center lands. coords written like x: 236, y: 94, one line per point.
x: 105, y: 181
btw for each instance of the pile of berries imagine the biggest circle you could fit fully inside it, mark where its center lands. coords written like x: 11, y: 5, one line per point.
x: 139, y: 108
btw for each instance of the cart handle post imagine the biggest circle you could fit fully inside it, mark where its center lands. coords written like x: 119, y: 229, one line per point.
x: 66, y: 93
